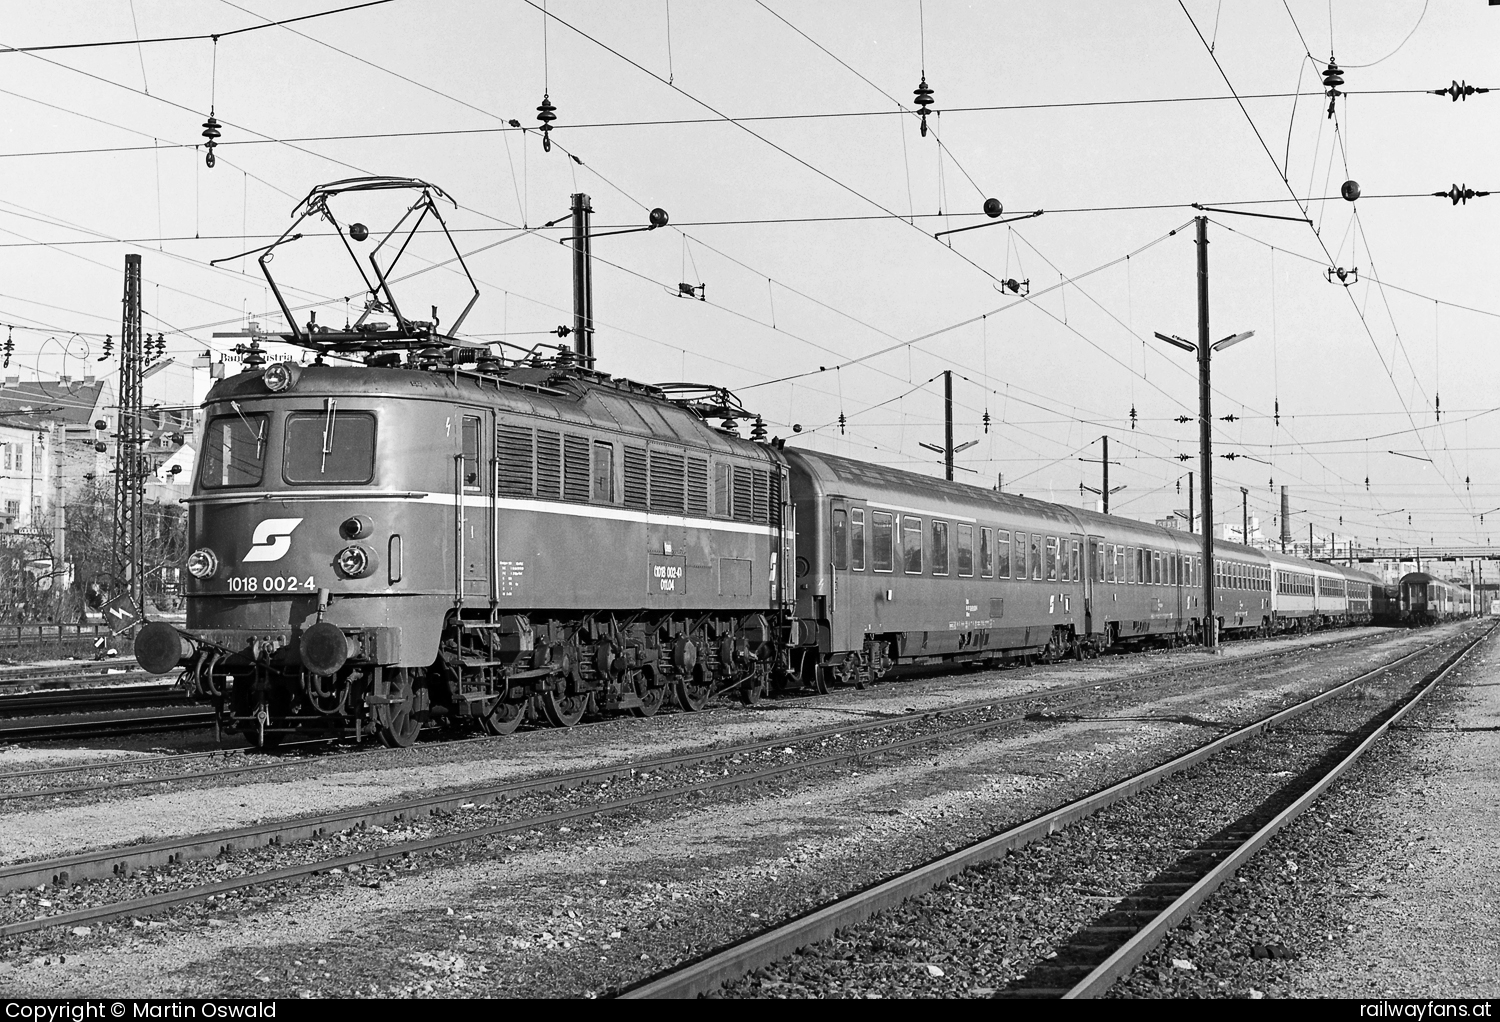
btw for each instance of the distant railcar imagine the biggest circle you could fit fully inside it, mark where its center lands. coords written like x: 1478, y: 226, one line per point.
x: 1426, y: 599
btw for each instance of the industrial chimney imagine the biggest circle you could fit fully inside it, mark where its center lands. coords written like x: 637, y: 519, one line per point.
x: 1286, y: 519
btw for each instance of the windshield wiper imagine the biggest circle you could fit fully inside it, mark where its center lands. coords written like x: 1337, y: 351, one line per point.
x: 327, y: 434
x: 260, y: 433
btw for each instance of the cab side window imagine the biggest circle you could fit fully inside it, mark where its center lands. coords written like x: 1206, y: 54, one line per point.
x: 471, y: 453
x: 604, y: 472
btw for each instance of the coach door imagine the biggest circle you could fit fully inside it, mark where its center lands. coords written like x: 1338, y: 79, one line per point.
x: 474, y: 508
x: 1093, y: 574
x: 1179, y: 585
x: 839, y: 589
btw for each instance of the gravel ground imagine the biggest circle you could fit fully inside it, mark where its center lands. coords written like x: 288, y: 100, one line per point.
x: 1034, y: 919
x: 1399, y: 888
x: 589, y: 909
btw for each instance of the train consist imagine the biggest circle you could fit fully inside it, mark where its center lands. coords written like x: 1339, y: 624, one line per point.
x: 443, y: 534
x: 1424, y: 599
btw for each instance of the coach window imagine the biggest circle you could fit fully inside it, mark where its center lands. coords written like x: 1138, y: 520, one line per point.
x: 604, y: 472
x: 986, y: 553
x: 966, y: 550
x: 1051, y: 563
x: 883, y: 528
x: 1075, y: 567
x: 857, y: 538
x: 1036, y: 556
x: 911, y: 544
x: 1002, y: 552
x: 1121, y: 561
x: 1018, y: 556
x: 840, y: 539
x: 1110, y: 552
x: 940, y: 548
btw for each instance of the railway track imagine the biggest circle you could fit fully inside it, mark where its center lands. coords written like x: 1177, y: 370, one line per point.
x: 853, y: 743
x: 70, y: 674
x: 381, y: 754
x: 1193, y: 882
x: 98, y: 725
x: 76, y: 700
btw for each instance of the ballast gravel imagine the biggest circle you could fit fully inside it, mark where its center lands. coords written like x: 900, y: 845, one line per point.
x: 1398, y: 885
x: 1041, y: 918
x: 586, y: 910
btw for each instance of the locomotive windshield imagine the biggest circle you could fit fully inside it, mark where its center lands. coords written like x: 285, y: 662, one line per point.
x: 329, y: 447
x: 234, y: 450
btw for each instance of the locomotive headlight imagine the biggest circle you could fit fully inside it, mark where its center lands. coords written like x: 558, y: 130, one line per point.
x: 202, y: 563
x: 280, y: 376
x: 354, y: 561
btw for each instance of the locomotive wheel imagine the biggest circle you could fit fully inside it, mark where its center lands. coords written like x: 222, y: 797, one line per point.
x: 394, y: 723
x: 563, y: 711
x: 692, y: 696
x: 503, y: 719
x: 750, y: 692
x: 652, y: 700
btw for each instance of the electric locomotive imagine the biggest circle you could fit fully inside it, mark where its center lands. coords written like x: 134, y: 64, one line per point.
x: 443, y: 533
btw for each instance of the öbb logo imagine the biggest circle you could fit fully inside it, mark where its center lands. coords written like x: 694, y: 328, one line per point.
x: 272, y: 539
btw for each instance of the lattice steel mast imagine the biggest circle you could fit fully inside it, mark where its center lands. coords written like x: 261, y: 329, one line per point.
x: 129, y: 532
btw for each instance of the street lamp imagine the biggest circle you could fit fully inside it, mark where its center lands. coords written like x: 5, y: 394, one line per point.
x: 1204, y: 349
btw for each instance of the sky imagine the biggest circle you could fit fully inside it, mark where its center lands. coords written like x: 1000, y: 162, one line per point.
x: 782, y: 140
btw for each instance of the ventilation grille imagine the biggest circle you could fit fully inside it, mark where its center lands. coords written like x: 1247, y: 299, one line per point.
x: 743, y: 502
x: 666, y: 481
x: 762, y: 498
x: 635, y: 477
x: 513, y: 453
x: 697, y: 487
x: 575, y: 468
x: 548, y: 464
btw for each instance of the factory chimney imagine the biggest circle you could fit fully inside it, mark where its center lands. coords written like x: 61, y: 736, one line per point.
x: 1286, y: 519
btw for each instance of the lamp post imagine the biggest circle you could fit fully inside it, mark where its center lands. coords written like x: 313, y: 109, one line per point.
x: 1204, y: 349
x: 583, y: 271
x: 1106, y: 491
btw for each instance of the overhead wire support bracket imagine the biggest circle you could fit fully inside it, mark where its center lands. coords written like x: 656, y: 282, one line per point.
x: 992, y: 223
x: 241, y: 255
x: 1244, y: 212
